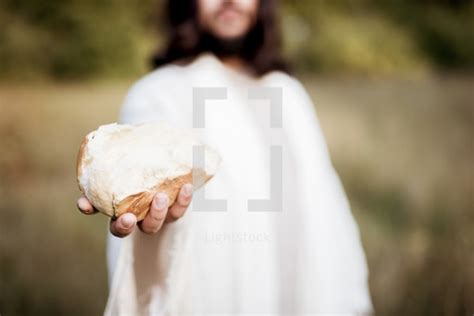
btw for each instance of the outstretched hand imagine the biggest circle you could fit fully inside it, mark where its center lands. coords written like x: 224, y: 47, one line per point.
x: 159, y: 213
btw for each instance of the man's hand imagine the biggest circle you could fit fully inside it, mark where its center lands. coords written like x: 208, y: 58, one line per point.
x: 159, y: 213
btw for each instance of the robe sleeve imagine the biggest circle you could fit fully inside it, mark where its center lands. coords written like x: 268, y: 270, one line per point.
x: 147, y: 101
x: 140, y: 106
x: 134, y: 261
x: 331, y: 262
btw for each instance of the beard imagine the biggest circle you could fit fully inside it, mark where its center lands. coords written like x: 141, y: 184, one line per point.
x: 223, y: 47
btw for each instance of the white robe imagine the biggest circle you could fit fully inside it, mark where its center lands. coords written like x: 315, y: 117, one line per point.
x: 306, y: 258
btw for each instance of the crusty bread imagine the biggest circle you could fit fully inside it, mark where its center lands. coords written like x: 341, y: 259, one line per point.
x: 121, y: 167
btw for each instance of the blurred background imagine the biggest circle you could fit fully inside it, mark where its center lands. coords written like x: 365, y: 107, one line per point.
x: 393, y: 85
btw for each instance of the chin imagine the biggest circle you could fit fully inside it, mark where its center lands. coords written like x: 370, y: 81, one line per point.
x: 230, y: 31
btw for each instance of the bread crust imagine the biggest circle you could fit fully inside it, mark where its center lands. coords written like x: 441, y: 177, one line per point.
x: 140, y: 203
x: 80, y: 160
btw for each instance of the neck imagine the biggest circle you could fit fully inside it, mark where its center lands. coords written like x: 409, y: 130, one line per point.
x: 237, y: 64
x: 233, y: 62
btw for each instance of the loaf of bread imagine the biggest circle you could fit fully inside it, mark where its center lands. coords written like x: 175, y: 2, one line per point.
x: 121, y: 167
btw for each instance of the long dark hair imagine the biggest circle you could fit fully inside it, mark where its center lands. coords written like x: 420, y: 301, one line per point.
x: 261, y: 47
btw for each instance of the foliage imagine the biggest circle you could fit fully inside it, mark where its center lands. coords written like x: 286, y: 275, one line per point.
x: 69, y: 38
x: 372, y: 36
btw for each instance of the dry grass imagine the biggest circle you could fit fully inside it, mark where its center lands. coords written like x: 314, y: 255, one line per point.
x: 52, y: 257
x: 403, y: 148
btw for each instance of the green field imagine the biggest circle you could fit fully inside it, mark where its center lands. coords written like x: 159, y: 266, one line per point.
x: 403, y: 148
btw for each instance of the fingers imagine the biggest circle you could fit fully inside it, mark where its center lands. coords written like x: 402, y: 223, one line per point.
x: 85, y: 206
x: 157, y: 214
x: 183, y: 200
x: 123, y: 225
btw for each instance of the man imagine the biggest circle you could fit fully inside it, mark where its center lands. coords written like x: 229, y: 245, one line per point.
x: 278, y: 237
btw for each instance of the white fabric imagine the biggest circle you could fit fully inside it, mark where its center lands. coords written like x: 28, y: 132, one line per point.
x: 305, y: 259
